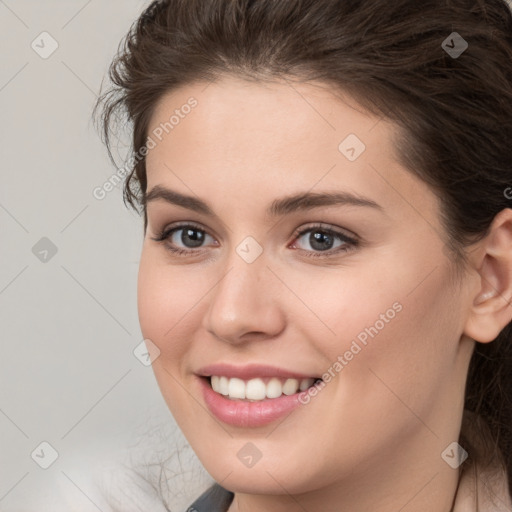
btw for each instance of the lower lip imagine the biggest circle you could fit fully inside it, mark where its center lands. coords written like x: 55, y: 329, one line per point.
x: 241, y: 413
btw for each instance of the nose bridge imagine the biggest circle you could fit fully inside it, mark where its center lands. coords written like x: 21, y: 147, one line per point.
x: 240, y: 303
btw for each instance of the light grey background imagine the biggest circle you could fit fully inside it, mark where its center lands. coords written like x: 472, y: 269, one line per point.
x: 68, y: 374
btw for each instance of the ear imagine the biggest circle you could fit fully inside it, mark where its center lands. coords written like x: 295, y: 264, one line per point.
x: 491, y: 310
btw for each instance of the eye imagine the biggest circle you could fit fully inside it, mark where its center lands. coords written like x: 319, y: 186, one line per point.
x: 189, y: 235
x: 323, y: 241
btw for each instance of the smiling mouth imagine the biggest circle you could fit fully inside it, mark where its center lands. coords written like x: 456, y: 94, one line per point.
x: 258, y: 389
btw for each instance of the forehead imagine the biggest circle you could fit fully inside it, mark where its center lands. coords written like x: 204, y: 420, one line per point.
x: 279, y: 114
x: 270, y: 137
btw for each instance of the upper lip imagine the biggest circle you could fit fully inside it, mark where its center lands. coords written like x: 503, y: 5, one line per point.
x: 250, y: 371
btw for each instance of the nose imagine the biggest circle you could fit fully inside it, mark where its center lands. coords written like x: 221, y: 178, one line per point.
x: 244, y: 304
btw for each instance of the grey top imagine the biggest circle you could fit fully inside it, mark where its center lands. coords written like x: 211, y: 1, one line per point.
x: 214, y: 499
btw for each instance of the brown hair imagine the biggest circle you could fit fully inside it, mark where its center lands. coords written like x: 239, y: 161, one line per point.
x: 454, y: 112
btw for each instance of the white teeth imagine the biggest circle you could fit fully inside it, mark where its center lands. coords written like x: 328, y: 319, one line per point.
x: 236, y: 388
x: 306, y: 383
x: 290, y: 386
x: 214, y: 379
x: 256, y: 389
x: 274, y: 388
x: 223, y: 386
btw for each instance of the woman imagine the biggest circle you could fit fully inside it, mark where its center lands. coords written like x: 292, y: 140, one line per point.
x: 326, y: 269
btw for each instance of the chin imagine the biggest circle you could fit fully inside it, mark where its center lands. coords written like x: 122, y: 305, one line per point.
x: 264, y: 477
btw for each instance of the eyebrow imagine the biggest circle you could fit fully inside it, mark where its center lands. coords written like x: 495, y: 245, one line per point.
x: 279, y: 207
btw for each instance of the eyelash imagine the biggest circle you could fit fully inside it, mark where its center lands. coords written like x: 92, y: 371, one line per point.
x: 349, y: 243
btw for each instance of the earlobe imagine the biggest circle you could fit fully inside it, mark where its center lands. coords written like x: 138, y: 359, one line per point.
x: 491, y: 310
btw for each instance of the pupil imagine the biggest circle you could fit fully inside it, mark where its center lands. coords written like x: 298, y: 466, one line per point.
x: 317, y: 238
x: 193, y: 234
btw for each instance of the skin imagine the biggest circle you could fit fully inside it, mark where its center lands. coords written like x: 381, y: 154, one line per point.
x: 372, y: 438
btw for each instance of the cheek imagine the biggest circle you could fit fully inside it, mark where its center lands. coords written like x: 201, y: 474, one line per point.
x: 391, y: 320
x: 166, y: 300
x: 402, y: 346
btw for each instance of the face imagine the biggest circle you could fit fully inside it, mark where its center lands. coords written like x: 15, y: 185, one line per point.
x: 357, y: 293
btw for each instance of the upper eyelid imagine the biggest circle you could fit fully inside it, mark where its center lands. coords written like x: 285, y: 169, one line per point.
x: 322, y: 226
